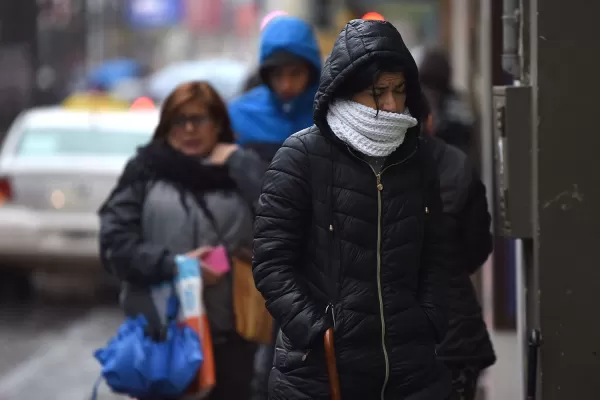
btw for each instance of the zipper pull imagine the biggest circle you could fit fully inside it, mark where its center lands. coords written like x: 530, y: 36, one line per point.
x: 330, y: 227
x: 379, y: 184
x: 305, y: 355
x: 426, y: 210
x: 330, y: 309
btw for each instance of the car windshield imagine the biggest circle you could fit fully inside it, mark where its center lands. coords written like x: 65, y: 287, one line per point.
x: 42, y: 142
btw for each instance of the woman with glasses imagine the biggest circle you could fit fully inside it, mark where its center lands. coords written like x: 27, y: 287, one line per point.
x: 189, y: 189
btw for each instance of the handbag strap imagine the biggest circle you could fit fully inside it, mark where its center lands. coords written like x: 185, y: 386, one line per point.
x: 172, y: 304
x: 211, y: 219
x: 96, y: 387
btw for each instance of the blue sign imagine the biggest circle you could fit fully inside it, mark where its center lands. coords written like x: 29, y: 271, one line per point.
x: 145, y: 14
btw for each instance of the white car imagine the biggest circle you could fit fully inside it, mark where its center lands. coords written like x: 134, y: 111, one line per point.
x: 57, y: 166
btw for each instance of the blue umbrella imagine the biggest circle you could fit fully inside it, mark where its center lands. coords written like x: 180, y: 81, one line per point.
x: 226, y: 76
x: 109, y: 73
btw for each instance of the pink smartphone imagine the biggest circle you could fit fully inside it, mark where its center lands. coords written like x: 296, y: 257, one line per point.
x: 217, y: 260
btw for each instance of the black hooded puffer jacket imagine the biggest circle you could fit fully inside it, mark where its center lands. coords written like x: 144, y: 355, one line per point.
x: 332, y: 235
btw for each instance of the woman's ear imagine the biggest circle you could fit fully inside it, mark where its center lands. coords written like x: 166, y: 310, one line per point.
x: 429, y: 124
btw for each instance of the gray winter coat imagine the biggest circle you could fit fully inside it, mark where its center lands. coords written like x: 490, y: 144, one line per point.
x: 150, y: 218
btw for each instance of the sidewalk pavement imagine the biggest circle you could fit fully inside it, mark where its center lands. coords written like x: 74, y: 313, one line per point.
x: 502, y: 380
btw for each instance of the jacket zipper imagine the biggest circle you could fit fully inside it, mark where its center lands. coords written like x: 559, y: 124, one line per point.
x: 379, y: 286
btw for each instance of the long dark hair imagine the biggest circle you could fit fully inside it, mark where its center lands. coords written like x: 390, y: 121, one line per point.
x: 196, y: 91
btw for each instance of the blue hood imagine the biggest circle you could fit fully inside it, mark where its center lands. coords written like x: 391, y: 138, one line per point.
x: 259, y: 116
x: 293, y: 35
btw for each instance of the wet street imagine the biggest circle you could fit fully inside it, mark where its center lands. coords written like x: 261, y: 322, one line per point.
x: 46, y: 346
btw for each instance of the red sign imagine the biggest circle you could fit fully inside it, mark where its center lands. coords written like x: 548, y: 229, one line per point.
x: 203, y: 15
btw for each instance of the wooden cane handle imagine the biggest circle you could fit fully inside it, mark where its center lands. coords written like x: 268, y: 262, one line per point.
x: 334, y: 378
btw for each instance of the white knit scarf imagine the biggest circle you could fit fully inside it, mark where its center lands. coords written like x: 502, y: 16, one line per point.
x: 372, y: 134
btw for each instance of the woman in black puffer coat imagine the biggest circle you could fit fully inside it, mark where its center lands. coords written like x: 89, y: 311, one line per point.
x: 349, y: 235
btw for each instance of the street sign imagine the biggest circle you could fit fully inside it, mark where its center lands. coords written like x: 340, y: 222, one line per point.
x: 147, y: 14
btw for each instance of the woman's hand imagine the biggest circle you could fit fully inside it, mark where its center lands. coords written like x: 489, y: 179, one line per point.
x: 209, y: 276
x: 222, y: 152
x: 200, y: 252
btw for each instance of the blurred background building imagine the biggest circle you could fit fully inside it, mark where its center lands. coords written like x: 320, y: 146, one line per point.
x: 53, y: 43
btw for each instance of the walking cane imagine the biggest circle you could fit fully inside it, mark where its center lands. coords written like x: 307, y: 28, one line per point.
x: 334, y: 378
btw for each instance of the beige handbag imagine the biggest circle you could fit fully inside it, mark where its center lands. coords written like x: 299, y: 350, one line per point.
x: 252, y: 320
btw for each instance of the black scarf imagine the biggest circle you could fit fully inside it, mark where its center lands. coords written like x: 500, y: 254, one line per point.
x: 158, y: 161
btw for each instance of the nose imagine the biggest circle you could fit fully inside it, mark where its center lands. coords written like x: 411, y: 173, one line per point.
x: 388, y: 103
x: 429, y: 124
x: 189, y: 126
x: 285, y: 84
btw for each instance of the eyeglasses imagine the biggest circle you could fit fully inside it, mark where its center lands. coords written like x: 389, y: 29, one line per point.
x: 196, y: 121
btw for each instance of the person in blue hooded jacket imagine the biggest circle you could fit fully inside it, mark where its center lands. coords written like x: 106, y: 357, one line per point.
x: 264, y: 116
x: 290, y: 66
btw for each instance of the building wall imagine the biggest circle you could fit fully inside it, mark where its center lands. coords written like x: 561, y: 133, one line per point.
x: 18, y: 61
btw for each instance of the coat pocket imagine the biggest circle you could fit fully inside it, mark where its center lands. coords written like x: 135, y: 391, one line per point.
x: 428, y: 326
x: 289, y: 360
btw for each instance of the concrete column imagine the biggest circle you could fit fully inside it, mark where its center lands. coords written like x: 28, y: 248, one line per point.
x: 564, y: 74
x: 460, y: 42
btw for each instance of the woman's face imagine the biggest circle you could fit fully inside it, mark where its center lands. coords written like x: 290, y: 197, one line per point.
x: 193, y: 132
x: 387, y: 94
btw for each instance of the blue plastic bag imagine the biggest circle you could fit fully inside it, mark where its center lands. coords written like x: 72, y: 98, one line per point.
x: 135, y: 365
